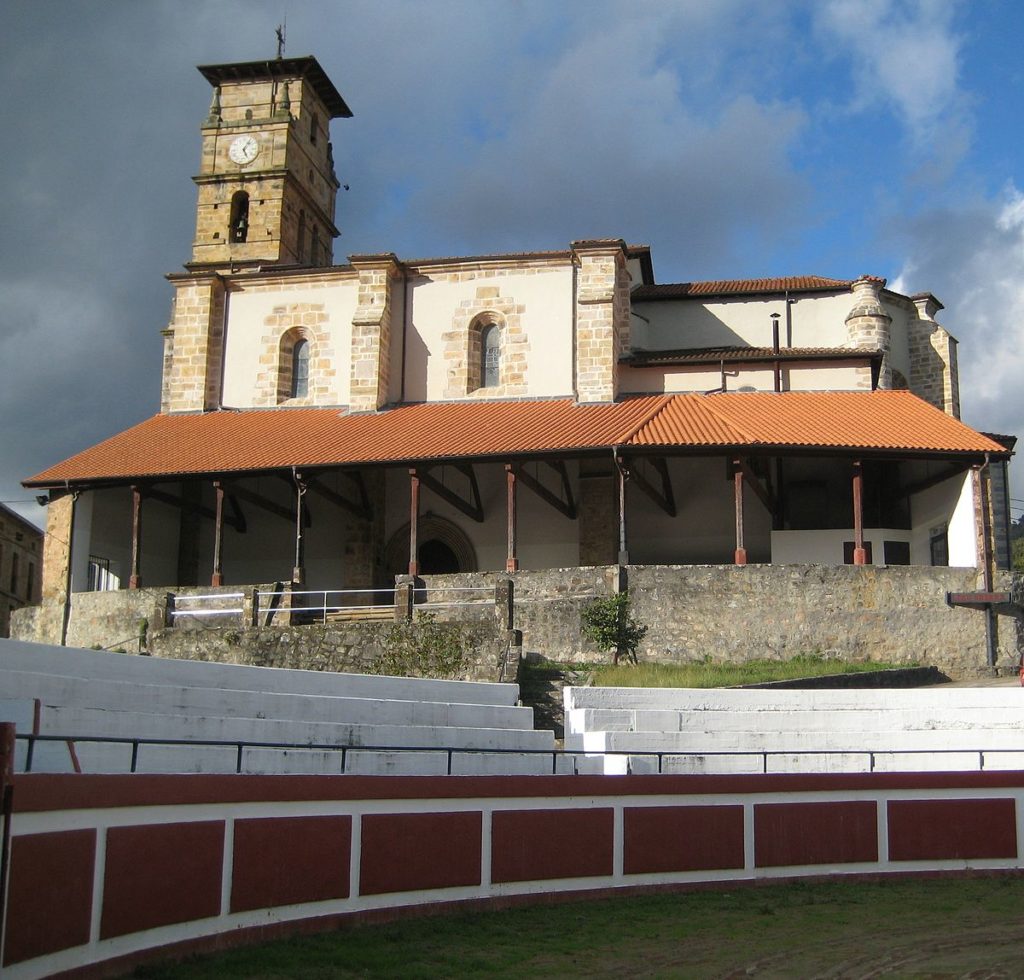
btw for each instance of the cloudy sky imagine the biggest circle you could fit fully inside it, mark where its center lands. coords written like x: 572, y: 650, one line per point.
x: 739, y: 138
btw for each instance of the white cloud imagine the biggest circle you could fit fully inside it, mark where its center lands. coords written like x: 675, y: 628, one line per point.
x: 973, y: 259
x: 906, y: 57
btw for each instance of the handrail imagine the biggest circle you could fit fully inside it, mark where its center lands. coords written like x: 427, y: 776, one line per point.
x: 240, y: 745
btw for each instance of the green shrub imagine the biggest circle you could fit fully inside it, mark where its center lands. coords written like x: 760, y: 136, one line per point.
x: 608, y: 623
x: 424, y: 648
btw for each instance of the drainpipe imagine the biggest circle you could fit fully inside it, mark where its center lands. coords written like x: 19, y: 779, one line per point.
x: 623, y: 475
x: 775, y: 350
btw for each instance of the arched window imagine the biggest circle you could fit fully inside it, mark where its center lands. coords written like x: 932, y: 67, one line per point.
x: 302, y: 235
x: 300, y: 369
x: 314, y: 126
x: 490, y: 357
x: 238, y: 229
x: 314, y: 246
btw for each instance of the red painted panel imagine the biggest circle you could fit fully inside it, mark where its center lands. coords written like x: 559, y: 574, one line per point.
x: 787, y: 834
x: 935, y: 829
x: 682, y: 838
x: 50, y: 791
x: 160, y: 874
x: 412, y: 851
x: 537, y: 845
x: 288, y: 860
x: 49, y: 893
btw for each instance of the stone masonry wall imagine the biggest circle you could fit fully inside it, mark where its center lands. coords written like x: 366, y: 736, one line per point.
x: 728, y: 613
x: 868, y: 327
x: 933, y: 363
x: 602, y: 296
x: 193, y: 349
x: 371, y: 332
x: 722, y: 612
x: 345, y: 647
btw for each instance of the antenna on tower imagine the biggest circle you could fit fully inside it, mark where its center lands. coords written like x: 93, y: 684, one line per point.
x: 280, y: 32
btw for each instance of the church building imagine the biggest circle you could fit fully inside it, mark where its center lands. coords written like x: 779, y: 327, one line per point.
x: 337, y: 423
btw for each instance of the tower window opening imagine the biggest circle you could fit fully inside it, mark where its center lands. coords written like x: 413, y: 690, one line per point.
x: 314, y: 126
x: 300, y: 369
x: 490, y: 357
x: 314, y: 246
x: 239, y: 223
x: 302, y: 235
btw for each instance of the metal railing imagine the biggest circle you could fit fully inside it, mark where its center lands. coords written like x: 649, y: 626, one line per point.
x: 207, y: 598
x: 320, y: 605
x: 241, y: 745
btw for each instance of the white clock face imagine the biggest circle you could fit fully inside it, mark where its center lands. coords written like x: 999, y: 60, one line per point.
x: 244, y: 149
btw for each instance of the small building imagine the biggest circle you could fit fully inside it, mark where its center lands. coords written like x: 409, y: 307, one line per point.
x: 336, y: 425
x: 21, y: 565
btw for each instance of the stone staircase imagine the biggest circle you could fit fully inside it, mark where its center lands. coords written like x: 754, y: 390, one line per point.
x: 540, y: 687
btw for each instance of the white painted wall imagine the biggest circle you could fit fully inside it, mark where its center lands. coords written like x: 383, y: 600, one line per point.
x: 840, y: 376
x: 250, y: 305
x: 816, y: 321
x: 547, y: 539
x: 826, y: 547
x: 546, y: 298
x: 949, y: 504
x: 963, y: 539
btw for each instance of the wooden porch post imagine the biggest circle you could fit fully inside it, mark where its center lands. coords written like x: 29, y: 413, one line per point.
x: 414, y: 516
x: 860, y: 555
x: 217, y: 578
x: 623, y: 470
x: 299, y: 570
x: 134, y: 578
x: 511, y: 561
x: 740, y: 555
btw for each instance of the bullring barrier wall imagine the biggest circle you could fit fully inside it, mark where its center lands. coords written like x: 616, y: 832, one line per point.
x: 109, y: 871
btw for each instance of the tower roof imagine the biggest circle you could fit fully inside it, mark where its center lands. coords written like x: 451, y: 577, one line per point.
x: 307, y: 68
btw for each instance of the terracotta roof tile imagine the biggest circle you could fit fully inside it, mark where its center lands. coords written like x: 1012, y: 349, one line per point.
x: 167, y: 446
x: 713, y: 355
x: 735, y: 287
x: 877, y: 421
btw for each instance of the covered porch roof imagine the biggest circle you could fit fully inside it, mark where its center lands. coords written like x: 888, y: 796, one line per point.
x: 231, y: 441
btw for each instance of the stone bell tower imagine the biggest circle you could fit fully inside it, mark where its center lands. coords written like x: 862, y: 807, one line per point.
x: 266, y: 180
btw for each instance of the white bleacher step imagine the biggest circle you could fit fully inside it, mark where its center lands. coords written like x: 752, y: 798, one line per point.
x: 43, y: 658
x: 223, y: 702
x: 774, y: 699
x: 958, y: 719
x: 81, y: 722
x: 768, y: 740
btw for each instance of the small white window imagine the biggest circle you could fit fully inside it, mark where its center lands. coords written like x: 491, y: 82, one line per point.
x: 490, y: 357
x: 300, y: 369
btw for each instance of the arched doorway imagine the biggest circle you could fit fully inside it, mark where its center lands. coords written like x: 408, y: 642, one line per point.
x: 444, y: 549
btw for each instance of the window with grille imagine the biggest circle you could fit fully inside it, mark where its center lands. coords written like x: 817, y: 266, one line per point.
x: 490, y: 357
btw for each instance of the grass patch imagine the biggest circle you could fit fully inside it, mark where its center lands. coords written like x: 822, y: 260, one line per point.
x: 927, y: 927
x: 707, y: 674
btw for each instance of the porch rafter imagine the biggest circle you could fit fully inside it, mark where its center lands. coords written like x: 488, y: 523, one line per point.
x: 473, y: 508
x: 663, y: 496
x: 566, y: 504
x: 234, y: 520
x: 362, y: 509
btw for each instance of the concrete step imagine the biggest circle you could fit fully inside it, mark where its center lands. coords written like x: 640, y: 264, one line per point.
x: 954, y: 720
x: 771, y: 700
x: 101, y: 665
x: 222, y: 702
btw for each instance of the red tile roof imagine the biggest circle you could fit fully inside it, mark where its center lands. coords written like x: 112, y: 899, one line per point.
x: 735, y: 287
x: 873, y: 421
x: 167, y: 446
x: 713, y: 355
